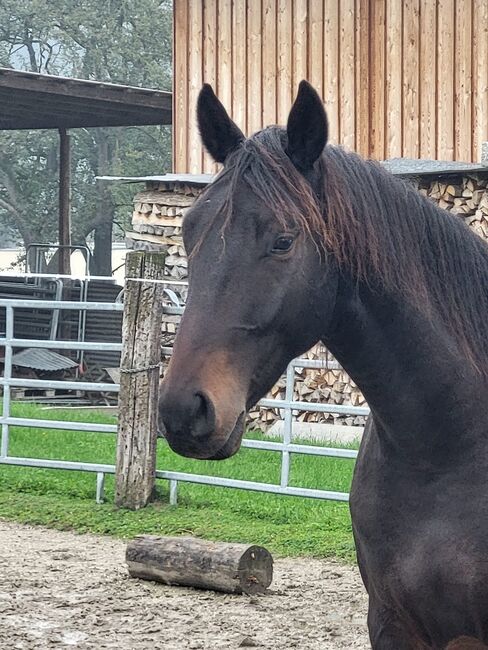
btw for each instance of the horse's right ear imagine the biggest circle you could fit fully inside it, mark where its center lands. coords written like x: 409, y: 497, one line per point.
x: 220, y: 135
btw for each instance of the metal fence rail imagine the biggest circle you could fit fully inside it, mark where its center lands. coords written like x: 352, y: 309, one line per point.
x: 287, y: 406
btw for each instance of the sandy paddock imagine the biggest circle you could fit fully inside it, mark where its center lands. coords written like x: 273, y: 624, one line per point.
x: 60, y: 589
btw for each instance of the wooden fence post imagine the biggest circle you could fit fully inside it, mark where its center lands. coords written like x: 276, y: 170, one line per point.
x: 139, y: 381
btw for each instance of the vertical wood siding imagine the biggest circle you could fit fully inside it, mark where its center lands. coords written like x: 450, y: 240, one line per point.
x: 398, y: 77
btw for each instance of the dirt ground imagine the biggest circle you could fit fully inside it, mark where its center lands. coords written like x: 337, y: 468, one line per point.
x: 59, y: 589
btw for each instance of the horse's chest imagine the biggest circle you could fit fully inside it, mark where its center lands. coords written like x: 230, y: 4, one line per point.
x: 423, y: 548
x: 398, y: 519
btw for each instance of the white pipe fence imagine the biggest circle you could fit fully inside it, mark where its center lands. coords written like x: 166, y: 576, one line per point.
x: 288, y: 406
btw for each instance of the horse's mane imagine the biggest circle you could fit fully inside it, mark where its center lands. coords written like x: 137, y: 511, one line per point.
x: 379, y: 229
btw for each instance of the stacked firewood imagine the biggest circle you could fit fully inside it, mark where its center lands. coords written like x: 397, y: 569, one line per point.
x: 466, y: 196
x: 157, y: 219
x: 315, y: 385
x: 156, y: 223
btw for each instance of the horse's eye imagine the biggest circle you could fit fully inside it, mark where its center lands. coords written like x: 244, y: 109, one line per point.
x: 282, y: 244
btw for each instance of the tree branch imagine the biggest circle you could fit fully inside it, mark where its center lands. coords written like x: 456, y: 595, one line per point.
x: 50, y: 50
x: 15, y: 206
x: 30, y: 49
x: 9, y: 208
x: 8, y: 180
x: 25, y: 233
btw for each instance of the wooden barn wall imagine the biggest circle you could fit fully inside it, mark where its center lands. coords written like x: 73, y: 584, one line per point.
x: 398, y: 77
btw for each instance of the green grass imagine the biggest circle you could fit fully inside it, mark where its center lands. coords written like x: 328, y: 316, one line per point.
x: 65, y: 499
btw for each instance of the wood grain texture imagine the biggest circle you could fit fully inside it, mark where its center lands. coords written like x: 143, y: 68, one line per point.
x: 428, y: 80
x: 377, y: 79
x: 254, y: 66
x: 285, y: 56
x: 269, y: 62
x: 226, y: 44
x: 210, y: 52
x: 411, y: 103
x: 445, y: 80
x: 139, y: 381
x: 195, y: 65
x: 347, y: 75
x: 463, y: 135
x: 192, y: 562
x: 480, y: 76
x: 300, y: 42
x: 316, y: 45
x: 330, y: 57
x: 239, y: 64
x: 394, y: 80
x: 398, y: 78
x: 180, y: 85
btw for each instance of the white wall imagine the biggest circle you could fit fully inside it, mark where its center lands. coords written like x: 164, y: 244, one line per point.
x: 9, y: 257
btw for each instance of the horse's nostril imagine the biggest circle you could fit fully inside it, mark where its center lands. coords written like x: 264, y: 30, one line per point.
x: 186, y: 414
x: 202, y: 408
x: 203, y: 416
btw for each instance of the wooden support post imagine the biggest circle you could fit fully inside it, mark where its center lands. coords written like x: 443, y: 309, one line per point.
x: 64, y: 266
x: 139, y: 381
x: 192, y: 562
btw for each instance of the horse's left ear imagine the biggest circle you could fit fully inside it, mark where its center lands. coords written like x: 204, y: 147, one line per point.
x: 220, y: 135
x: 307, y: 128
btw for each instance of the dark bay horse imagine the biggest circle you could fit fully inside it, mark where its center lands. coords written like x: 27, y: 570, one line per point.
x: 296, y: 242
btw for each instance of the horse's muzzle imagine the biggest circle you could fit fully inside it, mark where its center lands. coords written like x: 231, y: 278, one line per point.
x: 196, y: 427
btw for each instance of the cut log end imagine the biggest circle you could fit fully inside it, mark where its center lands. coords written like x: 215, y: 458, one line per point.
x: 255, y: 570
x: 191, y: 562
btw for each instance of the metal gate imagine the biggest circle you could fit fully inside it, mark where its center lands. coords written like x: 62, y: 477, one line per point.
x: 286, y: 448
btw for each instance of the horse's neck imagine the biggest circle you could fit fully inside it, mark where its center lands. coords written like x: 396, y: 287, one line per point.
x: 421, y: 391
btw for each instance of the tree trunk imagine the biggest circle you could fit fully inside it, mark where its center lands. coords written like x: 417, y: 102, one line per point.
x: 101, y: 262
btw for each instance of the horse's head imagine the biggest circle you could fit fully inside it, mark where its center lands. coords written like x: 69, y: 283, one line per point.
x: 260, y: 283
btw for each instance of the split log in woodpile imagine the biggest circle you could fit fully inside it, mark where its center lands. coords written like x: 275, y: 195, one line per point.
x: 314, y: 385
x: 465, y: 196
x: 157, y: 219
x: 156, y: 224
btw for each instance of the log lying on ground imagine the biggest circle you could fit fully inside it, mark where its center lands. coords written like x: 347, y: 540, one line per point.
x: 191, y: 562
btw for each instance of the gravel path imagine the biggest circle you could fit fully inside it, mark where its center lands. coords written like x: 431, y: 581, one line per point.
x: 60, y: 590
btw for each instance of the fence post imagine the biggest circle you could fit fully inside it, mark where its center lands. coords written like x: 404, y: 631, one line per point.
x: 139, y: 381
